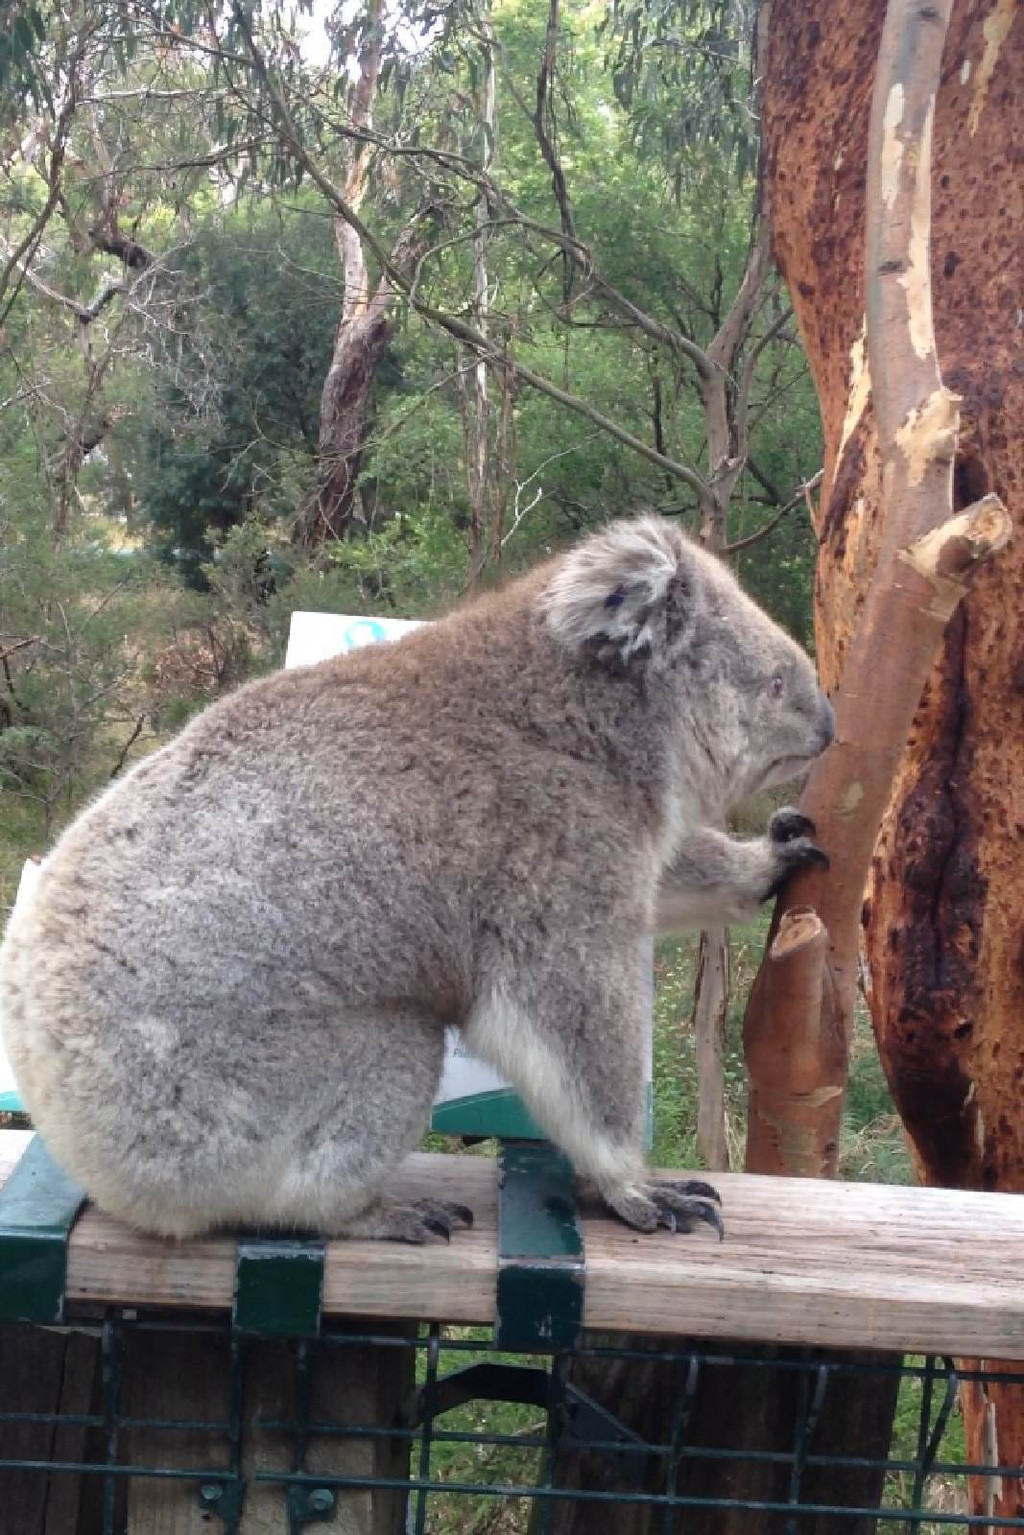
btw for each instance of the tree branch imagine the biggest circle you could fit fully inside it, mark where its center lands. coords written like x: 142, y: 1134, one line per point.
x: 451, y: 323
x: 800, y: 494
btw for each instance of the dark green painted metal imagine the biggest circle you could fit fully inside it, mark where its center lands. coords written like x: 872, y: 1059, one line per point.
x: 480, y: 1456
x: 279, y: 1287
x: 223, y: 1499
x: 501, y: 1113
x: 311, y: 1505
x: 540, y: 1251
x: 38, y: 1207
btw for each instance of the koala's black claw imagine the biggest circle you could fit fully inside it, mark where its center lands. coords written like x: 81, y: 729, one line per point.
x: 695, y: 1188
x: 681, y: 1205
x: 462, y: 1213
x: 791, y: 856
x: 711, y: 1214
x: 787, y: 825
x: 439, y: 1228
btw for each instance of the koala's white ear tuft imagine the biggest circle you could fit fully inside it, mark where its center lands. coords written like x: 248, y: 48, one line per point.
x: 622, y: 592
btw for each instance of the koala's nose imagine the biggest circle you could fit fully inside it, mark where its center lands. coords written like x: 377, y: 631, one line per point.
x: 827, y: 722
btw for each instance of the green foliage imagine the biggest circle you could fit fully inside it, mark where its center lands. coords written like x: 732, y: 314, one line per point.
x: 72, y: 677
x: 681, y: 69
x: 233, y: 429
x: 22, y: 31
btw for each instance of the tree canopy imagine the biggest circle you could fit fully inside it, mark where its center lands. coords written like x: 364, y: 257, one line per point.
x: 360, y: 309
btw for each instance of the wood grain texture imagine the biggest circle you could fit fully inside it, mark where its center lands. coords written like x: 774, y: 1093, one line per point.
x: 839, y: 1264
x: 168, y: 1377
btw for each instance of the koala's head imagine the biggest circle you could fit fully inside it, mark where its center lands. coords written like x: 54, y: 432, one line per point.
x: 642, y: 600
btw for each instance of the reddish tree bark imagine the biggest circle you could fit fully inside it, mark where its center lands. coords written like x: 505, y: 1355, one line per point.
x: 943, y: 917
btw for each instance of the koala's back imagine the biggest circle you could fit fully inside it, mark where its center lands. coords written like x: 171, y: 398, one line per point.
x: 223, y: 948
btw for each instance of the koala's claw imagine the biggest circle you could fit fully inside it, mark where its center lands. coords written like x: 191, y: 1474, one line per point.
x: 691, y: 1186
x: 418, y: 1222
x: 441, y: 1217
x: 682, y: 1205
x: 679, y: 1206
x: 787, y: 825
x: 789, y: 837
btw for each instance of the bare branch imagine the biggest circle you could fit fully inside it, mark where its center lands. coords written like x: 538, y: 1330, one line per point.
x: 455, y: 327
x: 122, y: 755
x: 801, y: 493
x: 109, y: 288
x: 24, y: 250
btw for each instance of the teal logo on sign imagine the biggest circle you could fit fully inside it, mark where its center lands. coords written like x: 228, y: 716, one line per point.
x: 365, y: 631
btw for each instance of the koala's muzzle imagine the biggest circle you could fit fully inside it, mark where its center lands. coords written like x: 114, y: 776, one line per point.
x: 827, y: 721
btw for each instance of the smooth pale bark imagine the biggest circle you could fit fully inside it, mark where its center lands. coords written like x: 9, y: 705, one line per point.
x: 364, y: 328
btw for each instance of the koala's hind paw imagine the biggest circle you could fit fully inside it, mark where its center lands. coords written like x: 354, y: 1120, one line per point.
x: 678, y: 1205
x: 418, y: 1222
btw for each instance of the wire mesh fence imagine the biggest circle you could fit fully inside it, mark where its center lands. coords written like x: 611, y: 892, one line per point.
x: 429, y: 1431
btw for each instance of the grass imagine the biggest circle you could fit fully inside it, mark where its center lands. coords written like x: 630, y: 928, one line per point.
x: 21, y: 836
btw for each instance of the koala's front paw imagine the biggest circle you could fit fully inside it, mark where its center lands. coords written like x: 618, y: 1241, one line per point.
x: 787, y: 824
x: 789, y: 837
x: 679, y: 1206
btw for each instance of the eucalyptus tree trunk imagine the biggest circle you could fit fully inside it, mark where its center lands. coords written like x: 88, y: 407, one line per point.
x: 941, y: 921
x: 364, y: 328
x: 488, y: 433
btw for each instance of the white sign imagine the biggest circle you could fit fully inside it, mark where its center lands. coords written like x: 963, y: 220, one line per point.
x: 319, y: 636
x: 9, y: 1097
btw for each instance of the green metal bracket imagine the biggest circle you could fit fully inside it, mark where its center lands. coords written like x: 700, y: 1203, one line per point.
x: 310, y: 1505
x: 279, y: 1283
x: 500, y: 1112
x: 38, y: 1207
x: 223, y: 1499
x: 540, y: 1252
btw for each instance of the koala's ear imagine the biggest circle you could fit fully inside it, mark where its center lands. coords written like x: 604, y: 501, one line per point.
x: 622, y: 595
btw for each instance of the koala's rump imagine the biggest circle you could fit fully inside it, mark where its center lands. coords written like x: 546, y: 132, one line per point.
x: 215, y: 943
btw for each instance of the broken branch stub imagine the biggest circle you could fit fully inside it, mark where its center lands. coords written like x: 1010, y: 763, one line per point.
x: 797, y: 1071
x: 946, y: 556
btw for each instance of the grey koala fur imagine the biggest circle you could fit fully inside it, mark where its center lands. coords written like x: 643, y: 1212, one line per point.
x: 226, y: 1001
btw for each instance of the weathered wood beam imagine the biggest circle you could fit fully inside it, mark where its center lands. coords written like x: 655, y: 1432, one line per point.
x: 841, y: 1265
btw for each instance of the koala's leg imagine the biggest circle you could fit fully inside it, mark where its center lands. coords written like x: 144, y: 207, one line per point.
x: 309, y: 1151
x: 377, y: 1116
x: 715, y: 879
x: 574, y: 1047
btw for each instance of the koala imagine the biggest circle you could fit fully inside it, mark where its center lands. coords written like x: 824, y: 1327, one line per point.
x: 226, y: 1002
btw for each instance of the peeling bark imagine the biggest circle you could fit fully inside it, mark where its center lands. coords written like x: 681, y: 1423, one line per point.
x: 943, y: 922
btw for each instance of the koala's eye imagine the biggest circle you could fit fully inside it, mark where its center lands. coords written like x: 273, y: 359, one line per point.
x: 616, y: 598
x: 777, y: 686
